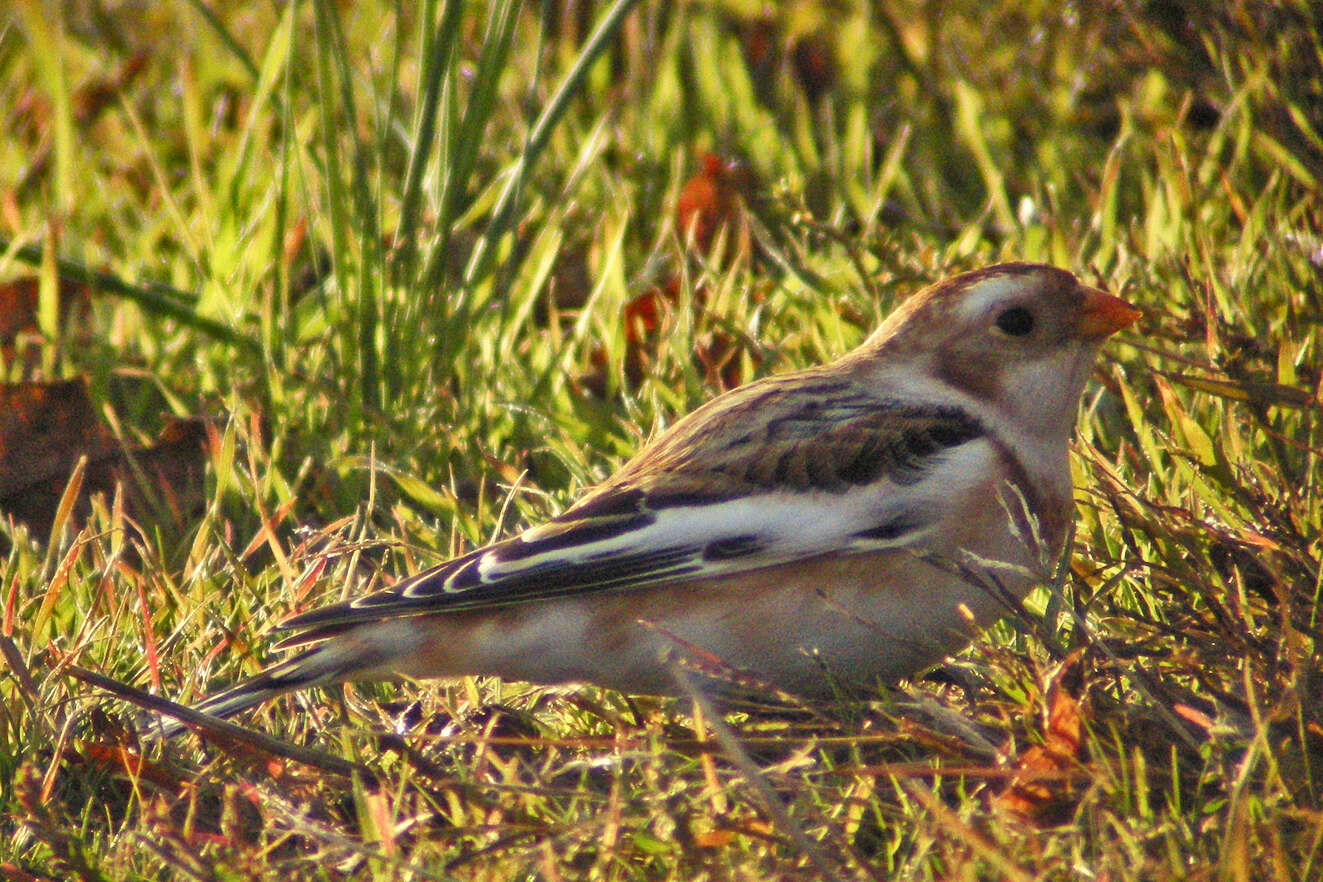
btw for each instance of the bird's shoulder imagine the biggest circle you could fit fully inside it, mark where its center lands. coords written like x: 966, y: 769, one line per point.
x: 811, y: 431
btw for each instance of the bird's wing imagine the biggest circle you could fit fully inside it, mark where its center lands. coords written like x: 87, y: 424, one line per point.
x: 767, y: 479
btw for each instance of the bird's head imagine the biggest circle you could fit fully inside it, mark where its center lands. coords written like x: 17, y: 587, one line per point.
x: 1020, y: 337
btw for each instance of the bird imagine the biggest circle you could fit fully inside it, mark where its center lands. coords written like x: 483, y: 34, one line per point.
x: 835, y: 527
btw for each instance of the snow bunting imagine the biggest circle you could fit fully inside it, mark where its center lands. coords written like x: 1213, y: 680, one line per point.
x: 818, y: 528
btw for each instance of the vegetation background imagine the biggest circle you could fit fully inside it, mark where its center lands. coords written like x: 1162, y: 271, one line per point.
x: 429, y: 270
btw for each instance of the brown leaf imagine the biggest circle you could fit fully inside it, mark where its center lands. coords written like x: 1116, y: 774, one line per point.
x: 117, y: 759
x: 644, y: 314
x: 712, y: 200
x: 14, y: 873
x: 1039, y: 791
x: 714, y: 838
x: 46, y: 428
x: 18, y: 305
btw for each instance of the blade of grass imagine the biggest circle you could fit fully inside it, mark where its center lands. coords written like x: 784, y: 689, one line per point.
x: 44, y: 27
x: 483, y: 256
x: 154, y: 297
x: 225, y: 36
x: 730, y: 745
x: 337, y: 104
x: 437, y: 54
x: 496, y: 44
x: 211, y: 725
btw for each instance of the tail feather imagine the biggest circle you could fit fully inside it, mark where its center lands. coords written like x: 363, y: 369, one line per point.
x: 326, y: 663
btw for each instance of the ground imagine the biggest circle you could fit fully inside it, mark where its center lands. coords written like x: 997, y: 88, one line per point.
x: 349, y: 288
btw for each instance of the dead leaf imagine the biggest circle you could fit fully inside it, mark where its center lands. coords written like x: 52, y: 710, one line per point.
x: 645, y: 314
x: 46, y: 428
x: 714, y: 838
x: 713, y: 200
x: 13, y: 873
x: 118, y: 759
x: 18, y: 306
x: 1040, y: 789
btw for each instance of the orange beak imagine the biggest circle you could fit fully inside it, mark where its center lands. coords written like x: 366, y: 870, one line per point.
x: 1103, y: 314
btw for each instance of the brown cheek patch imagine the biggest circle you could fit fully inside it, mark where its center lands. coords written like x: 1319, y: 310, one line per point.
x: 978, y: 375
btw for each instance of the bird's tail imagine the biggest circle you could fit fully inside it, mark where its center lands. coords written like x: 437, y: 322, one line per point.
x: 329, y: 662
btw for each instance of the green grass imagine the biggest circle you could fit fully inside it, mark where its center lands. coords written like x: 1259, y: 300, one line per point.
x: 396, y: 388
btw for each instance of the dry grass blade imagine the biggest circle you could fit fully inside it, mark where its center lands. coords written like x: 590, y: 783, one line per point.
x: 977, y: 842
x: 214, y: 727
x: 771, y: 802
x: 383, y: 240
x: 1272, y: 394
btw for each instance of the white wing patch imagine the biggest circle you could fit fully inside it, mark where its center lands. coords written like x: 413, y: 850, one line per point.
x: 738, y: 535
x: 619, y: 552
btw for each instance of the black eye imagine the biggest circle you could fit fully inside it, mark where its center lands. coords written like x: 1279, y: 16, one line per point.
x: 1016, y: 321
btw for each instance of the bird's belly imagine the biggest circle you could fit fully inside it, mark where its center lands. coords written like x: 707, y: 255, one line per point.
x: 812, y: 628
x: 842, y: 624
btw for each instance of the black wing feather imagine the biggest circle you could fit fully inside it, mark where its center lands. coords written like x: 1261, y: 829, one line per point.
x: 840, y: 436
